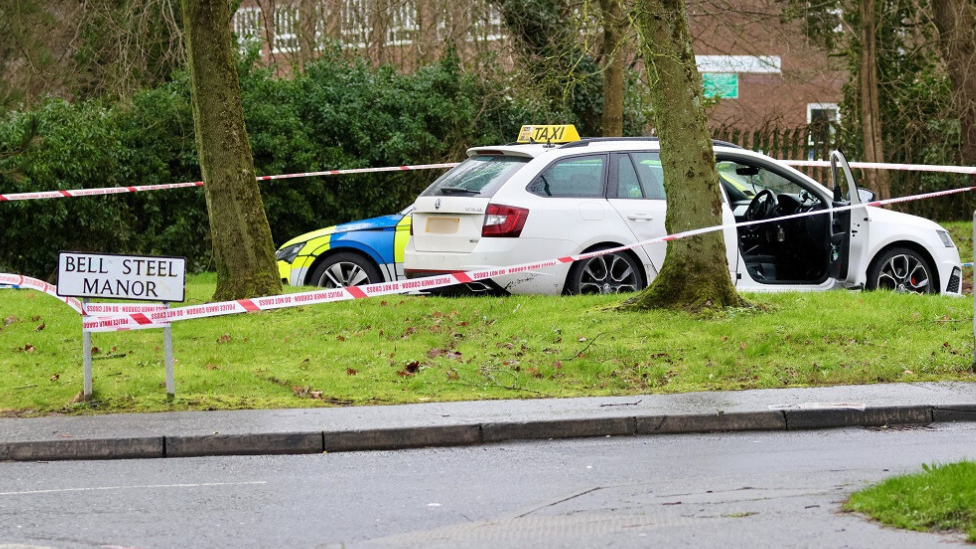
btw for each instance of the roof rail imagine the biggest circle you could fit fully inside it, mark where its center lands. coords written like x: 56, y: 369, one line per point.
x: 587, y: 140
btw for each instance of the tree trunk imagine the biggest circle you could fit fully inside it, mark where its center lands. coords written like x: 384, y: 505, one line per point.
x: 877, y: 180
x: 243, y: 249
x: 956, y: 21
x: 695, y: 274
x: 613, y: 69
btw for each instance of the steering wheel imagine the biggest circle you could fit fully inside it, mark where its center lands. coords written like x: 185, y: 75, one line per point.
x: 762, y: 206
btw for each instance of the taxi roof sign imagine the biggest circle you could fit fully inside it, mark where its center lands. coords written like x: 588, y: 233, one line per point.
x: 548, y: 134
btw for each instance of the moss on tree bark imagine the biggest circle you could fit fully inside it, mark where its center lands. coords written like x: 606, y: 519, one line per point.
x: 695, y: 275
x: 243, y: 249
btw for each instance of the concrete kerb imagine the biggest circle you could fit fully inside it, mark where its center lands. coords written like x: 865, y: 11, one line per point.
x: 465, y: 435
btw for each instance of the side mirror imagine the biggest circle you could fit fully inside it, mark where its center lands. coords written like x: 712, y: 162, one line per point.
x: 865, y: 195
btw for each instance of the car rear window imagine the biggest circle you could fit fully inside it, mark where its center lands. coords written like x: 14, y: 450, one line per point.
x: 478, y: 176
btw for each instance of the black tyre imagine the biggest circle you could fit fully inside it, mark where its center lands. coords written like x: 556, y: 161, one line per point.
x: 344, y: 269
x: 606, y: 274
x: 901, y: 270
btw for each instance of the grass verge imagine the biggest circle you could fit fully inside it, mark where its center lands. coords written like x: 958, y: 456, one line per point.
x: 404, y: 349
x: 940, y: 498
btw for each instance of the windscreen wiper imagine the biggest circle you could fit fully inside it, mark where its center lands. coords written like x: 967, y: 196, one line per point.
x: 458, y: 190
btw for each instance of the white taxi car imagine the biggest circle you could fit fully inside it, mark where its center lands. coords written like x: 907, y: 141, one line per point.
x: 553, y: 195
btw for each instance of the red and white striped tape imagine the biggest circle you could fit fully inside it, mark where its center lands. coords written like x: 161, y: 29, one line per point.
x: 20, y: 281
x: 966, y: 170
x: 89, y: 311
x: 120, y: 190
x: 165, y: 186
x: 387, y: 288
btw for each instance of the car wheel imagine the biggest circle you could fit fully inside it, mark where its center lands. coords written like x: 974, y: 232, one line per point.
x: 344, y: 269
x: 606, y: 274
x: 901, y: 270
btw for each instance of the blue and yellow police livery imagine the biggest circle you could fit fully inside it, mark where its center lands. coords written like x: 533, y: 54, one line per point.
x: 350, y: 254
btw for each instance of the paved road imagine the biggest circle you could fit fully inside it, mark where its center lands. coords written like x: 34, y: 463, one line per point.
x: 780, y: 489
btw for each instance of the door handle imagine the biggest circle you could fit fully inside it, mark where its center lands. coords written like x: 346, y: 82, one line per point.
x: 640, y: 217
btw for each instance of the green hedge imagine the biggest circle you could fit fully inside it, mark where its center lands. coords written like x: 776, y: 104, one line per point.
x: 337, y: 114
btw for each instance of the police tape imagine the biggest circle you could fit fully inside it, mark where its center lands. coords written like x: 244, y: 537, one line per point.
x: 141, y: 188
x: 87, y: 310
x: 128, y: 321
x: 965, y: 170
x: 26, y: 282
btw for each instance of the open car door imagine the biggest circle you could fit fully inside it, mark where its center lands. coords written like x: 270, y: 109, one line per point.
x: 848, y: 228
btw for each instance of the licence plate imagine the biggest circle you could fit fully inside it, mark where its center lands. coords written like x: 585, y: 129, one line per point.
x: 442, y: 225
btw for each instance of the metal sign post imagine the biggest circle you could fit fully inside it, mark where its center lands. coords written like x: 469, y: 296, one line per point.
x: 974, y: 293
x: 86, y: 344
x: 138, y: 278
x: 168, y: 353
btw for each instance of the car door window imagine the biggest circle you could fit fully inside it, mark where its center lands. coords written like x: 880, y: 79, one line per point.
x: 628, y: 184
x: 651, y: 173
x: 576, y: 177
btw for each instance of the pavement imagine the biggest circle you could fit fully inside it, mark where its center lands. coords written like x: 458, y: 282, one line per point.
x: 366, y: 428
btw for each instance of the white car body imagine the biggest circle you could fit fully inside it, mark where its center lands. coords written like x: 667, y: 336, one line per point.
x: 448, y: 228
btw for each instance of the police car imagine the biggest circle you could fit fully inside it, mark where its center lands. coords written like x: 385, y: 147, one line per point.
x: 350, y: 254
x: 552, y: 194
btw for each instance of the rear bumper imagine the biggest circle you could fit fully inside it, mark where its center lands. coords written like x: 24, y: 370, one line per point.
x: 481, y: 287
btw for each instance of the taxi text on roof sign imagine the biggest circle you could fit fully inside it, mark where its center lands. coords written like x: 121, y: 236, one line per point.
x: 548, y: 134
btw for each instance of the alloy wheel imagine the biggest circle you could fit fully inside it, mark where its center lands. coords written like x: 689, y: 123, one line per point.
x: 904, y: 273
x: 608, y: 274
x: 343, y: 273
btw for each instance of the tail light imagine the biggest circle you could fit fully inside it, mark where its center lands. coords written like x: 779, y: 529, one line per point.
x: 504, y: 221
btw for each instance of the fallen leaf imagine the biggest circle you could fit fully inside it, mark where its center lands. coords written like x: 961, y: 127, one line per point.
x: 351, y: 372
x: 315, y: 394
x: 413, y: 367
x: 10, y: 320
x: 94, y: 350
x: 725, y: 338
x: 40, y: 327
x: 452, y: 374
x: 909, y: 372
x: 212, y: 366
x: 453, y: 355
x: 582, y: 339
x: 55, y: 377
x: 29, y: 348
x: 462, y: 323
x: 382, y: 304
x: 743, y: 345
x: 225, y: 339
x: 534, y: 372
x: 80, y: 397
x: 434, y: 353
x: 558, y: 364
x: 341, y: 338
x: 35, y: 318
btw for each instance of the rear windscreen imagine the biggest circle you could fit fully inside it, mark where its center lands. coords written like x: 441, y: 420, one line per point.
x: 479, y: 176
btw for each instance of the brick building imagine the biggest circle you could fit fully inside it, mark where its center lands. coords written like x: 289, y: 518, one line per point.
x: 760, y: 71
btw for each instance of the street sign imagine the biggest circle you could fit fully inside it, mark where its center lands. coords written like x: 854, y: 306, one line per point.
x: 133, y: 277
x: 721, y: 85
x: 141, y: 278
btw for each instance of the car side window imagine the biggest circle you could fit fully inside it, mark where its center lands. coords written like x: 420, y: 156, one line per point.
x: 651, y: 174
x: 628, y: 185
x: 576, y: 177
